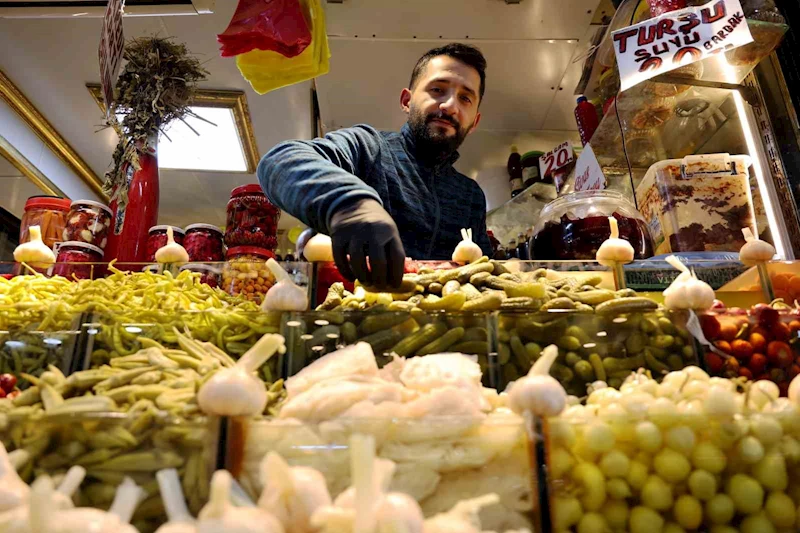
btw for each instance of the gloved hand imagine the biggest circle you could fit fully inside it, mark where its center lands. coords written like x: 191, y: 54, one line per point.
x: 364, y: 229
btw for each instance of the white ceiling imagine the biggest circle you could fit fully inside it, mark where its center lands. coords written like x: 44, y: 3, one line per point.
x: 53, y: 59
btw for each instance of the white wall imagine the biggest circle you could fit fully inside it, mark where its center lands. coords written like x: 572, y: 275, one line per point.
x: 17, y: 132
x: 484, y: 156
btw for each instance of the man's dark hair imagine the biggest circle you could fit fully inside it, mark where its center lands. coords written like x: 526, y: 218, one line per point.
x: 469, y: 55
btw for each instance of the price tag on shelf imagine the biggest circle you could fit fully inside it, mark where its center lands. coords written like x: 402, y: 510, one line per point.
x: 678, y: 38
x: 556, y: 159
x: 112, y: 43
x: 588, y: 174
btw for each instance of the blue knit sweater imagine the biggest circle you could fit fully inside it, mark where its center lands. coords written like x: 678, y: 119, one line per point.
x: 429, y: 203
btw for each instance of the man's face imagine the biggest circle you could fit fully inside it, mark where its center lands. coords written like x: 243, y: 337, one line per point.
x: 442, y: 107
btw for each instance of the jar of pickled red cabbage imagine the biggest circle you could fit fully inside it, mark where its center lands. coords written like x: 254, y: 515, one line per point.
x: 208, y: 274
x: 252, y: 219
x: 78, y: 260
x: 203, y: 243
x: 158, y: 238
x: 88, y: 222
x: 574, y: 226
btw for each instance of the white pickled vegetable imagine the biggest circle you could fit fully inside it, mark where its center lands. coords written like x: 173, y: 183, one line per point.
x: 292, y: 494
x: 220, y: 516
x: 686, y: 291
x: 34, y: 252
x: 614, y: 250
x: 13, y: 491
x: 172, y: 252
x: 462, y: 518
x: 538, y: 392
x: 180, y: 521
x: 284, y: 295
x: 85, y: 519
x: 794, y: 391
x: 237, y: 391
x: 755, y: 250
x: 467, y: 251
x: 319, y: 248
x: 354, y: 360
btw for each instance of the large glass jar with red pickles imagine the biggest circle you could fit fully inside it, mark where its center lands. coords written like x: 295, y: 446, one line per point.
x: 158, y: 238
x: 246, y: 273
x: 88, y: 222
x: 203, y: 243
x: 75, y: 260
x: 252, y: 219
x: 756, y: 343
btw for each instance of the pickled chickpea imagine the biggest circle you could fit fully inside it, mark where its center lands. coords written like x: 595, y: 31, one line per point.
x: 246, y: 273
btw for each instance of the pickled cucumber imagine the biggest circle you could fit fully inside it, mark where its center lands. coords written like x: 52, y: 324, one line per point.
x: 442, y: 343
x: 427, y: 334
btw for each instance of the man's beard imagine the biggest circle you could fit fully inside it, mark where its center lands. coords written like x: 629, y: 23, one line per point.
x: 431, y: 140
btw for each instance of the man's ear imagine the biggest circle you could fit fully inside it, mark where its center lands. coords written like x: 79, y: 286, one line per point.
x: 405, y: 100
x: 475, y: 124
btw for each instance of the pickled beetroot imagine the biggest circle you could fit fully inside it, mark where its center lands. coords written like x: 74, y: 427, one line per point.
x: 252, y: 220
x: 75, y: 261
x: 580, y: 239
x: 88, y: 222
x: 158, y: 238
x: 203, y: 242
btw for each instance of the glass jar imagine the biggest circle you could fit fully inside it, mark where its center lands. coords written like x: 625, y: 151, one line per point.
x: 246, y: 272
x: 574, y: 226
x: 158, y: 238
x: 88, y: 222
x: 203, y: 242
x: 47, y: 212
x: 659, y: 7
x: 75, y: 258
x: 763, y: 10
x: 252, y: 219
x: 208, y: 274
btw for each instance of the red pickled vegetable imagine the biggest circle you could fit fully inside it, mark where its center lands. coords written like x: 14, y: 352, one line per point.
x: 8, y: 382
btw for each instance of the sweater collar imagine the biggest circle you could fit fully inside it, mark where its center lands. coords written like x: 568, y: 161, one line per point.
x: 411, y: 146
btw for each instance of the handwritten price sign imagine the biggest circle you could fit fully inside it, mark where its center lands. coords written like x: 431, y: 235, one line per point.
x: 678, y: 38
x: 556, y: 159
x: 112, y: 42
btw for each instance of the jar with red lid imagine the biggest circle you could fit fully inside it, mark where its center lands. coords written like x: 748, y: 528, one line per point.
x: 88, y: 222
x: 246, y: 273
x: 208, y: 274
x: 203, y: 242
x: 47, y: 212
x: 75, y: 260
x: 252, y: 219
x: 158, y: 238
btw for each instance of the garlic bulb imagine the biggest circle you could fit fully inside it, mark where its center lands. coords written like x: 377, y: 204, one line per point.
x: 755, y: 250
x: 220, y: 516
x: 319, y: 248
x: 237, y: 391
x: 292, y: 494
x: 538, y: 392
x: 13, y: 491
x: 686, y: 291
x: 172, y: 252
x: 794, y: 391
x: 34, y: 252
x: 467, y: 251
x: 180, y: 521
x: 614, y: 250
x: 463, y: 517
x: 83, y: 519
x: 284, y: 295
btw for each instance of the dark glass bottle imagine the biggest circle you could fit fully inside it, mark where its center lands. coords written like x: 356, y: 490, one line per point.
x: 522, y: 247
x: 511, y: 249
x: 515, y: 172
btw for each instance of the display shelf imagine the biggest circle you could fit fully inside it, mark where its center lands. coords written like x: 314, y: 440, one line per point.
x: 732, y: 67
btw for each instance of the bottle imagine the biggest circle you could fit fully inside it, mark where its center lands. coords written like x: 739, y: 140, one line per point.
x: 522, y: 247
x: 511, y: 249
x: 278, y: 257
x: 588, y: 121
x: 515, y: 171
x: 289, y: 257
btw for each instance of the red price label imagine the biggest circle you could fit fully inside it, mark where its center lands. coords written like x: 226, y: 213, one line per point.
x: 557, y: 158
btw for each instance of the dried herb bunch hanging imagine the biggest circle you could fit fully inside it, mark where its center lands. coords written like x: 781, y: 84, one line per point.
x: 155, y: 87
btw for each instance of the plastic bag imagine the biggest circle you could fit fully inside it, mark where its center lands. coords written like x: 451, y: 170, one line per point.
x: 267, y: 71
x: 277, y: 25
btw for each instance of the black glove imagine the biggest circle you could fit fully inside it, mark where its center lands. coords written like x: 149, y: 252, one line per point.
x: 364, y: 229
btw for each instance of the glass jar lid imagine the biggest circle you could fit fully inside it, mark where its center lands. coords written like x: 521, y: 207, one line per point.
x: 175, y: 229
x: 209, y: 227
x: 80, y: 245
x: 249, y: 250
x: 91, y: 203
x: 250, y: 188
